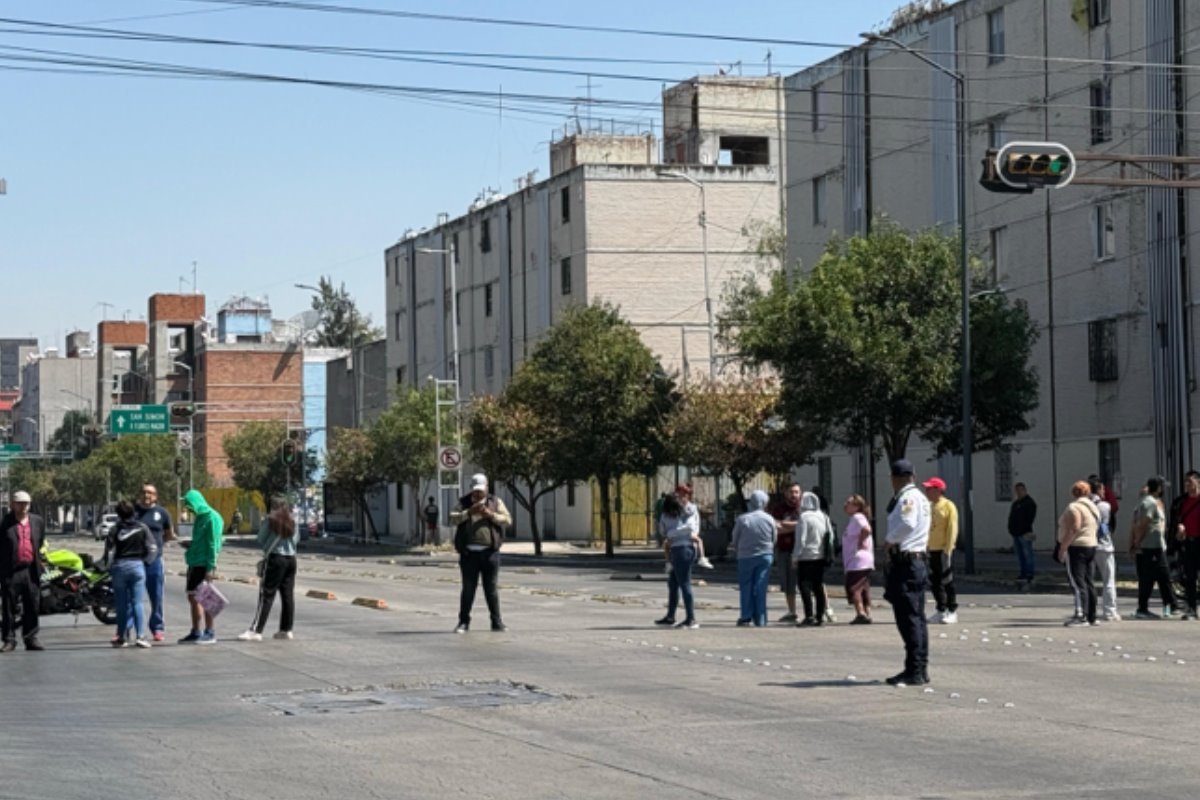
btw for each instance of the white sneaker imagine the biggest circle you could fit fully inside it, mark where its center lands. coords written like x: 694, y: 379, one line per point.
x: 950, y: 618
x: 704, y: 562
x: 667, y: 568
x: 1112, y: 617
x: 829, y: 615
x: 936, y: 618
x: 283, y: 635
x: 250, y: 636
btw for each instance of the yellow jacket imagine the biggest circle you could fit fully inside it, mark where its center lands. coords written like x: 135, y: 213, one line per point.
x: 943, y: 527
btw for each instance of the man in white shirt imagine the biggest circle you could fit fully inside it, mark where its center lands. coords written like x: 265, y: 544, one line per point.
x: 908, y: 572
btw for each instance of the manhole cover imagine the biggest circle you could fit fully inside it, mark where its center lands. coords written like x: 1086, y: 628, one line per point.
x: 404, y: 698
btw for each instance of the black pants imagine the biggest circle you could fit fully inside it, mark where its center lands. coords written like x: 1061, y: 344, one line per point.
x: 1152, y: 569
x: 280, y: 578
x: 1191, y: 569
x: 811, y: 577
x: 1079, y: 572
x: 24, y: 587
x: 941, y: 580
x: 475, y: 564
x: 905, y: 590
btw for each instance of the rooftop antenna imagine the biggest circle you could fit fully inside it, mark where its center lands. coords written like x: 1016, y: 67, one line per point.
x: 588, y: 86
x: 104, y: 307
x: 193, y: 277
x: 769, y: 63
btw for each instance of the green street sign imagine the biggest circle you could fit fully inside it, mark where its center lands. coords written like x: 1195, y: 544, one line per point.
x: 8, y: 452
x: 139, y: 419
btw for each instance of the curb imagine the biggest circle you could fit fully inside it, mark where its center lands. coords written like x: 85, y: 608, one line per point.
x: 319, y: 595
x: 371, y: 602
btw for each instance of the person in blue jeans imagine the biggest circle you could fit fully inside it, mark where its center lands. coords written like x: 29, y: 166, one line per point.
x: 128, y: 549
x: 680, y: 527
x: 158, y: 521
x: 754, y: 535
x: 1021, y: 515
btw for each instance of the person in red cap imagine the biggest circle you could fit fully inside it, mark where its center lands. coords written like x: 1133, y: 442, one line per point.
x: 943, y: 534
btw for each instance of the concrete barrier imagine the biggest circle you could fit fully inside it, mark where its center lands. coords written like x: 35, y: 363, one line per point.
x: 371, y: 602
x: 319, y: 595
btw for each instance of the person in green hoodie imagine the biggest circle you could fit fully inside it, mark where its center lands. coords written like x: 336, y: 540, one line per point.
x: 201, y: 559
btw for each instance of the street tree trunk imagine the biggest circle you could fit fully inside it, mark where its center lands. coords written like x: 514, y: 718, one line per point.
x: 528, y: 502
x: 605, y: 516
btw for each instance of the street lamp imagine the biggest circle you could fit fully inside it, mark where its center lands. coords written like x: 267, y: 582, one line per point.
x: 449, y: 254
x: 960, y: 90
x: 191, y: 422
x: 712, y: 350
x: 349, y: 306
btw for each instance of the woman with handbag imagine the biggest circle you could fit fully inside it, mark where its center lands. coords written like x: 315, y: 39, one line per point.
x: 276, y: 571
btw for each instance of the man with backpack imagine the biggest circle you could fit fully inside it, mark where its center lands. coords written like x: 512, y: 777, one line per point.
x: 481, y: 520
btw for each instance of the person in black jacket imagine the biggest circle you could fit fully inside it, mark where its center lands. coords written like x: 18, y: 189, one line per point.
x: 1020, y: 527
x: 21, y: 537
x: 481, y: 520
x: 129, y: 548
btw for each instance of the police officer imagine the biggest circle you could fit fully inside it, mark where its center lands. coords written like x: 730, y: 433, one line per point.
x: 908, y: 571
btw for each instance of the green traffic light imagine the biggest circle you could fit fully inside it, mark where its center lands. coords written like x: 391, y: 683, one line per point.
x: 1056, y: 166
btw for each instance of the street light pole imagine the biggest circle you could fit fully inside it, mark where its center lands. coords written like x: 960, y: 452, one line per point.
x: 960, y: 90
x: 191, y: 423
x: 708, y: 306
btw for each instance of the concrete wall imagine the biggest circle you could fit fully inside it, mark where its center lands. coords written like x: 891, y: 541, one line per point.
x: 51, y: 388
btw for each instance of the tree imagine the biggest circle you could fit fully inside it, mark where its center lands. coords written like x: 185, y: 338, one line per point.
x: 74, y: 436
x: 353, y: 463
x: 868, y: 343
x: 341, y: 323
x: 255, y: 454
x: 405, y: 437
x: 734, y: 429
x: 606, y: 392
x: 128, y: 462
x: 518, y: 447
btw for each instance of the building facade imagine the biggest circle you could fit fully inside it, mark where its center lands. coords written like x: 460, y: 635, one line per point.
x: 13, y: 354
x: 1105, y: 270
x: 52, y: 386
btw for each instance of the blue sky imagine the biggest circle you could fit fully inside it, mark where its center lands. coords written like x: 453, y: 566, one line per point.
x: 117, y: 185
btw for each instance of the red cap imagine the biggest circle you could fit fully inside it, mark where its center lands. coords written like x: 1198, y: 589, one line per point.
x: 683, y: 488
x: 935, y: 483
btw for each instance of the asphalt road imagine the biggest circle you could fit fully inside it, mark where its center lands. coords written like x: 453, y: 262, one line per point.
x: 585, y: 698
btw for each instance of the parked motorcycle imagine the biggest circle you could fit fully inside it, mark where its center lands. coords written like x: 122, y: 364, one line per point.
x: 73, y: 584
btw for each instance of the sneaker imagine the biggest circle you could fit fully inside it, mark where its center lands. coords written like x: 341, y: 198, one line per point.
x: 665, y: 621
x: 860, y: 619
x: 935, y: 617
x: 284, y: 635
x: 1112, y: 617
x: 1191, y: 614
x: 250, y: 636
x: 742, y: 623
x: 34, y: 646
x: 1095, y: 623
x: 1146, y: 615
x: 906, y: 679
x: 499, y: 627
x: 208, y: 637
x: 688, y: 623
x: 830, y: 616
x: 1075, y: 622
x: 143, y: 643
x: 1168, y: 612
x: 159, y: 636
x: 191, y: 638
x: 8, y: 647
x: 462, y: 628
x: 119, y: 642
x: 950, y: 618
x: 788, y: 617
x: 807, y: 622
x: 704, y: 562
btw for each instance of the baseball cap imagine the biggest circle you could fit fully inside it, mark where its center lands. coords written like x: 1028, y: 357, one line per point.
x: 935, y: 483
x: 479, y: 482
x: 683, y: 488
x: 901, y: 466
x: 21, y: 497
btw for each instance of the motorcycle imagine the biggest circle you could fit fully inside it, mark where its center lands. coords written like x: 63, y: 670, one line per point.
x: 73, y: 584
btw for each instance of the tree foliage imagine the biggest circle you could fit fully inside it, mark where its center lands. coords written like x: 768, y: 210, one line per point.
x: 73, y: 435
x: 254, y: 454
x: 341, y: 323
x: 868, y: 343
x: 600, y: 386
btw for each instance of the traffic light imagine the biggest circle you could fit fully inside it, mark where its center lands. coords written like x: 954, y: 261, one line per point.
x: 183, y: 409
x: 1025, y: 166
x: 289, y: 451
x: 178, y: 465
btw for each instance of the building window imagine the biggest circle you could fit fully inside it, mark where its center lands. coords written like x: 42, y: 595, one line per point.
x: 570, y: 494
x: 487, y: 300
x: 1101, y: 103
x: 565, y: 275
x: 995, y: 23
x: 454, y: 246
x: 485, y: 236
x: 396, y: 270
x: 825, y: 476
x: 998, y: 249
x: 564, y: 198
x: 489, y: 361
x: 399, y: 496
x: 396, y: 326
x: 458, y: 309
x: 1098, y: 12
x: 399, y: 376
x: 1110, y: 464
x: 817, y: 99
x: 1104, y: 233
x: 995, y: 133
x: 1004, y: 473
x: 818, y: 200
x: 1102, y: 350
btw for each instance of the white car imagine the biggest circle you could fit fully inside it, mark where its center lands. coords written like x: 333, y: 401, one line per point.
x: 106, y: 524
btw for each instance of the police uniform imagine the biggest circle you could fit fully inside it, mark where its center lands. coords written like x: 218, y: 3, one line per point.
x: 908, y: 574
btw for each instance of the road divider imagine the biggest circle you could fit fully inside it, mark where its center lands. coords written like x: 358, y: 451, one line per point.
x: 371, y: 602
x: 317, y: 594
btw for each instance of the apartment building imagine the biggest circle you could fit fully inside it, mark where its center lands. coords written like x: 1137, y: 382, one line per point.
x: 612, y: 223
x: 1106, y: 270
x: 52, y: 386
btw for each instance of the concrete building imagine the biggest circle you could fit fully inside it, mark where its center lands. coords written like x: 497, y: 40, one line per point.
x: 1107, y: 271
x: 13, y: 353
x: 174, y: 333
x: 630, y: 234
x: 364, y: 383
x: 52, y: 386
x: 121, y: 365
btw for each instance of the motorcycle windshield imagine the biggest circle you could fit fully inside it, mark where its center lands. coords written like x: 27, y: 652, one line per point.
x: 65, y: 559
